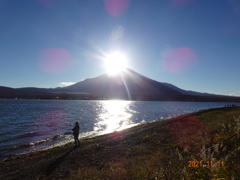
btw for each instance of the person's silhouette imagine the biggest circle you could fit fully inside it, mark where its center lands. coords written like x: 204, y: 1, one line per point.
x: 76, y: 134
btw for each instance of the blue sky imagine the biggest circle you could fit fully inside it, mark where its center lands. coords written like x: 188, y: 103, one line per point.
x: 192, y: 44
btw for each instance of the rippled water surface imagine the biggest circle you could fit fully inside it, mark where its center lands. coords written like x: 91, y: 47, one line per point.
x: 27, y: 125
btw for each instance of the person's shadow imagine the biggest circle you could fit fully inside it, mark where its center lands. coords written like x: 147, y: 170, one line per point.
x: 52, y: 166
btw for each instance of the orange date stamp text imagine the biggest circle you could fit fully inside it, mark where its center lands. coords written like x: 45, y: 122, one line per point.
x: 205, y: 163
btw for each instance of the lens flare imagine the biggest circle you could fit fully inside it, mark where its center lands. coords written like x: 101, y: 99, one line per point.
x: 178, y: 3
x: 116, y: 7
x: 178, y: 60
x: 54, y: 60
x: 188, y: 132
x: 48, y: 3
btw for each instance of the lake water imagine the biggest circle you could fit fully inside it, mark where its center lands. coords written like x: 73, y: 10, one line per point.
x: 29, y: 125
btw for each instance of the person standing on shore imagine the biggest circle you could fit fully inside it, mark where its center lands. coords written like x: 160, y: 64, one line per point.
x: 76, y: 134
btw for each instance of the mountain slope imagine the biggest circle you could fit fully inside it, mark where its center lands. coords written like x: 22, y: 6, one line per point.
x: 128, y: 85
x: 6, y: 92
x: 134, y: 86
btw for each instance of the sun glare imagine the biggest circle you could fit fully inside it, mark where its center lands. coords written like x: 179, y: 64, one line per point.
x: 115, y: 63
x: 115, y: 116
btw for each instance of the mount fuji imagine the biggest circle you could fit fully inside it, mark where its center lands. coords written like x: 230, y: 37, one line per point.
x: 127, y: 85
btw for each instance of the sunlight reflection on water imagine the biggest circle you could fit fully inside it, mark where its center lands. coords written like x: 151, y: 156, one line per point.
x: 115, y: 116
x: 30, y: 125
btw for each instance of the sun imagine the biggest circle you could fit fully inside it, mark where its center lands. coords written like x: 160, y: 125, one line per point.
x: 115, y: 63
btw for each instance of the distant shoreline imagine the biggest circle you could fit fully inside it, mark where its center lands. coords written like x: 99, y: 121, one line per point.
x: 220, y: 99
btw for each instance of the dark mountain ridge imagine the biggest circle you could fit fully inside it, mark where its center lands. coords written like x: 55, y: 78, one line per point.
x: 128, y: 85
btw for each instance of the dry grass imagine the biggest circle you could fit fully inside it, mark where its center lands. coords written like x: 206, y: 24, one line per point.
x: 160, y: 150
